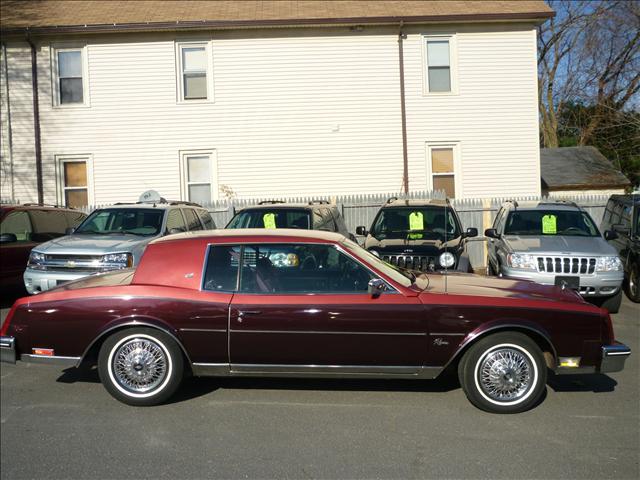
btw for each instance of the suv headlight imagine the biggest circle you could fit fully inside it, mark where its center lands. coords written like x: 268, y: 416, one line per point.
x: 608, y: 264
x: 447, y: 259
x: 36, y: 260
x: 522, y: 260
x: 118, y: 260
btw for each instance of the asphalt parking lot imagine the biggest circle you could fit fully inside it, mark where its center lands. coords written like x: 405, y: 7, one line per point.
x: 62, y: 424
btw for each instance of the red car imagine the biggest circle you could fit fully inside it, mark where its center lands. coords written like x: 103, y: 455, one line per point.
x: 308, y: 304
x: 22, y: 227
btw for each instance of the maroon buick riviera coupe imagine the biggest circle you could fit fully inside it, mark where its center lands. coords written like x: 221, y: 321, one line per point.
x: 307, y: 304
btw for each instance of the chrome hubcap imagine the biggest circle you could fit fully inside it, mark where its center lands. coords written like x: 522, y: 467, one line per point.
x: 505, y: 374
x: 139, y: 365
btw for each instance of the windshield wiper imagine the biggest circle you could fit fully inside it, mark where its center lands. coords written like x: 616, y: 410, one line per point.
x: 134, y: 233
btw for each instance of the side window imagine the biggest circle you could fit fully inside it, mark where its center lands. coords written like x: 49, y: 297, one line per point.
x: 69, y: 72
x: 222, y: 268
x: 193, y: 223
x: 301, y: 269
x: 17, y: 223
x: 439, y: 53
x: 47, y: 224
x: 175, y: 221
x: 195, y: 71
x: 626, y: 216
x: 206, y: 219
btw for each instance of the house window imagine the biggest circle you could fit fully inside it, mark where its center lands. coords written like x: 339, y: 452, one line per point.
x: 439, y: 71
x: 69, y: 68
x: 195, y: 68
x: 442, y: 168
x: 73, y: 180
x: 199, y: 177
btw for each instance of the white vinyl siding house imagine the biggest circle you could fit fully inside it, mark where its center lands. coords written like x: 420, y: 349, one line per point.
x: 277, y: 112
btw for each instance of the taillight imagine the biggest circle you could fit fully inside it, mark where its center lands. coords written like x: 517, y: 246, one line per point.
x: 7, y: 321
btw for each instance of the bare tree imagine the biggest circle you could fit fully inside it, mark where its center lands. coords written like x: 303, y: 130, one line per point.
x: 588, y: 54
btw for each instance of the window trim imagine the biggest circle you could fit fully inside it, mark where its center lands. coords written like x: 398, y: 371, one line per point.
x: 457, y: 165
x: 453, y: 63
x: 213, y: 173
x: 181, y: 44
x: 60, y: 160
x: 55, y: 83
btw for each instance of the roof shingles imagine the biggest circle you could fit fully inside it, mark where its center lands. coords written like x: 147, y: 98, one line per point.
x: 49, y: 14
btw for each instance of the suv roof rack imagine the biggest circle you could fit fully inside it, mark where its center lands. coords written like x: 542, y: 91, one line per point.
x: 513, y: 202
x: 319, y: 202
x: 43, y: 205
x: 181, y: 202
x: 559, y: 202
x: 391, y: 199
x: 270, y: 202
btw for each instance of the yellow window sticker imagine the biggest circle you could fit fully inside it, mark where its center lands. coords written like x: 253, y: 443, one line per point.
x: 269, y: 220
x: 549, y: 225
x: 416, y: 221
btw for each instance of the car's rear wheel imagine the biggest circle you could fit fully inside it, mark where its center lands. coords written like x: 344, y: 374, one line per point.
x: 504, y: 373
x: 632, y: 284
x: 140, y: 366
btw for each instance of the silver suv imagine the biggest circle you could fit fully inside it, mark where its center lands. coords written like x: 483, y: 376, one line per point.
x: 110, y: 238
x: 555, y: 243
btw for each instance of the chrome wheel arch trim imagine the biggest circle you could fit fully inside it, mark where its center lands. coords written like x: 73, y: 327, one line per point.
x: 130, y: 324
x: 470, y: 339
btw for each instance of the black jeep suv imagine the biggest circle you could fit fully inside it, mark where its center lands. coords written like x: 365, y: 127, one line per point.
x: 315, y: 215
x: 421, y: 235
x: 622, y: 215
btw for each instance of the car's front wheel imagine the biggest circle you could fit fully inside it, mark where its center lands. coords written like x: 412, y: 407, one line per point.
x: 632, y: 284
x: 140, y: 366
x: 504, y: 373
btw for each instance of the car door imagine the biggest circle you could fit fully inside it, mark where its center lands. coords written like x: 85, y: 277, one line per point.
x: 305, y: 308
x: 14, y: 255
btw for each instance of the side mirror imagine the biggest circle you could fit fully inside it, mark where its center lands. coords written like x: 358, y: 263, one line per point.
x: 471, y: 232
x: 620, y: 228
x: 361, y: 231
x: 375, y: 287
x: 491, y: 233
x: 8, y: 238
x: 610, y: 235
x: 69, y: 231
x: 175, y: 230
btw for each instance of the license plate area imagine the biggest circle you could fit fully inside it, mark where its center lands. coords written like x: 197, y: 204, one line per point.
x: 568, y: 282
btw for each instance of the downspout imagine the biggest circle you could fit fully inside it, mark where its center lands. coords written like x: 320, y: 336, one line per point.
x: 36, y: 119
x: 9, y: 129
x: 405, y: 156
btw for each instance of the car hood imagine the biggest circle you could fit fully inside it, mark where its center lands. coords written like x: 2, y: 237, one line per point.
x: 557, y: 244
x: 80, y: 244
x: 477, y: 285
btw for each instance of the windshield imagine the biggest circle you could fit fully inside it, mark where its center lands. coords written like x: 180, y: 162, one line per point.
x: 401, y: 276
x: 265, y: 218
x: 416, y: 223
x: 136, y: 221
x: 572, y: 223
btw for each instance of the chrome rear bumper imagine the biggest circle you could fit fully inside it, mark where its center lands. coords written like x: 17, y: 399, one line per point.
x: 613, y: 357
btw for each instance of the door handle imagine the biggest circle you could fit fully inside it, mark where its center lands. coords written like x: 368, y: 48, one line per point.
x: 242, y: 313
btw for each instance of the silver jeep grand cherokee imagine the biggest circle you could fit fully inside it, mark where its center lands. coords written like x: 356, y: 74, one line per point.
x: 110, y: 238
x: 555, y: 243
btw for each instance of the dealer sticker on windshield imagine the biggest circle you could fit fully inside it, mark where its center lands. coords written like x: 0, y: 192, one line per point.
x: 549, y: 224
x: 269, y: 220
x: 416, y: 221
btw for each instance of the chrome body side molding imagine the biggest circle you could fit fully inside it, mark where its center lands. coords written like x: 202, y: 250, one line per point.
x: 50, y: 359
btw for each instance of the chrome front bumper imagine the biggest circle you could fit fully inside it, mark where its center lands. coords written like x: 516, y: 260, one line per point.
x: 613, y: 357
x: 8, y: 349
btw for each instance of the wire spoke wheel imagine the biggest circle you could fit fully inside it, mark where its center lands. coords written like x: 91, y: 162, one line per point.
x: 505, y: 374
x: 139, y: 365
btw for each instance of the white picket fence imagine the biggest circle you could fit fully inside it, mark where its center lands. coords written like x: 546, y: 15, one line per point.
x: 361, y: 209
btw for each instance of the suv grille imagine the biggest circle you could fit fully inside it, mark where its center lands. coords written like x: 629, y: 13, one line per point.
x: 415, y: 262
x: 573, y: 265
x: 76, y: 263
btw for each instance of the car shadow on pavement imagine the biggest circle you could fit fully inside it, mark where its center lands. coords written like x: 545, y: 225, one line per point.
x: 596, y: 383
x: 193, y: 387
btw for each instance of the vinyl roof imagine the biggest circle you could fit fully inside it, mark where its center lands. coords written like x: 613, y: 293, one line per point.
x: 69, y: 16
